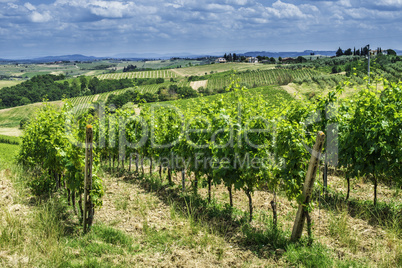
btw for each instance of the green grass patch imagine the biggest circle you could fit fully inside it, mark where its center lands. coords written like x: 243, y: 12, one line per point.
x: 388, y: 215
x: 8, y: 152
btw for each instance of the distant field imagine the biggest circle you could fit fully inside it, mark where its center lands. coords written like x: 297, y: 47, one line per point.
x: 261, y: 77
x: 144, y: 74
x: 159, y: 64
x: 270, y: 94
x: 221, y: 67
x: 26, y: 71
x: 8, y: 83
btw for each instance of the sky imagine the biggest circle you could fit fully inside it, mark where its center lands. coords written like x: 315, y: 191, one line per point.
x: 38, y: 28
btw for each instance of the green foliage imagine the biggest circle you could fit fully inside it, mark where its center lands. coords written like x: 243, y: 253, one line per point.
x: 23, y: 122
x: 50, y: 149
x: 370, y: 136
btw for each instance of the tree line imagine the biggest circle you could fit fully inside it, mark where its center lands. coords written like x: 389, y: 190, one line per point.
x: 52, y: 88
x: 364, y: 51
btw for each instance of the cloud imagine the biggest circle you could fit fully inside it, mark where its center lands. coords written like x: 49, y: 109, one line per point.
x: 238, y: 2
x: 345, y: 3
x: 38, y: 17
x: 11, y: 5
x: 389, y: 3
x: 29, y: 6
x: 108, y: 9
x: 283, y: 10
x: 198, y: 24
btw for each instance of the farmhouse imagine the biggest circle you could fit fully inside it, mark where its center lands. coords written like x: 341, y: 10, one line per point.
x: 288, y: 60
x: 252, y: 59
x: 377, y: 52
x: 221, y: 60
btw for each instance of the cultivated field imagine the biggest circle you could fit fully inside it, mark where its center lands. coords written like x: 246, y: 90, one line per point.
x: 143, y: 74
x: 261, y: 77
x: 221, y: 67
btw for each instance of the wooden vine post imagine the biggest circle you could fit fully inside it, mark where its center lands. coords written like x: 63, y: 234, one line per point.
x: 183, y: 180
x: 308, y: 187
x: 88, y: 206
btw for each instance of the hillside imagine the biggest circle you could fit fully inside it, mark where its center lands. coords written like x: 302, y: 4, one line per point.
x: 147, y: 221
x: 241, y: 140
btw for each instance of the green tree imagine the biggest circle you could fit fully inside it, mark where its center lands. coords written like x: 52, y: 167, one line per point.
x: 348, y: 52
x: 93, y: 85
x: 371, y: 143
x: 339, y: 52
x: 391, y: 52
x: 84, y: 82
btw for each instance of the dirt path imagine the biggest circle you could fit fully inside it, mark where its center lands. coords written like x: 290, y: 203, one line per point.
x: 96, y: 98
x: 289, y: 88
x: 177, y: 72
x: 11, y: 131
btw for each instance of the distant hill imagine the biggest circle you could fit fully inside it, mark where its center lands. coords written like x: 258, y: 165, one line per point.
x: 75, y: 57
x: 287, y: 54
x: 142, y: 56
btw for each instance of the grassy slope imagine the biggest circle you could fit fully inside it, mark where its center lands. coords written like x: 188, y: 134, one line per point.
x: 8, y: 83
x: 162, y: 63
x: 11, y: 117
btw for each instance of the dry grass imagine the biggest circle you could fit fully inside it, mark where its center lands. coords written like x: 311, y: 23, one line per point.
x: 9, y: 83
x: 347, y: 237
x: 144, y: 223
x: 186, y: 242
x: 11, y: 131
x: 197, y: 84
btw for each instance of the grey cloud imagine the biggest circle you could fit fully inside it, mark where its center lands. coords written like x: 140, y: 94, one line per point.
x: 170, y: 24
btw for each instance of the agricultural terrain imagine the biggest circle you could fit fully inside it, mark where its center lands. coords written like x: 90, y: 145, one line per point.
x: 150, y: 214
